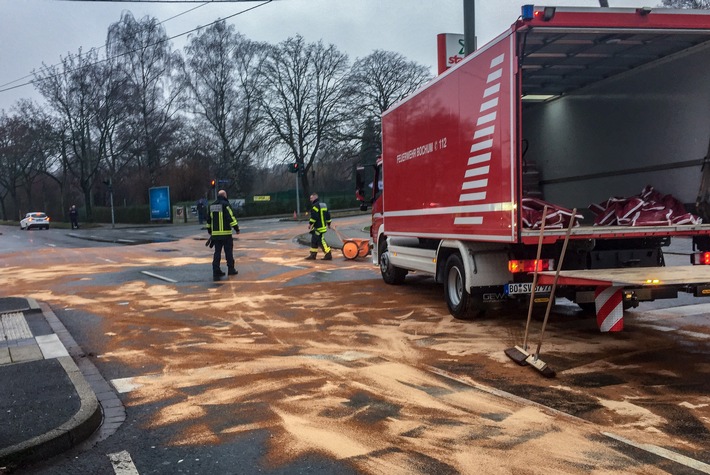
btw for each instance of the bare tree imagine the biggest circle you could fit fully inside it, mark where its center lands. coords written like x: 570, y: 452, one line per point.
x: 383, y: 78
x: 378, y: 81
x: 150, y: 67
x: 75, y: 91
x: 222, y: 76
x: 15, y: 158
x: 37, y: 146
x: 305, y: 100
x: 117, y: 120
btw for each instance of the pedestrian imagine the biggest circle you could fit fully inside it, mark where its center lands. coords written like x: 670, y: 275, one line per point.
x: 201, y: 210
x: 74, y: 217
x: 319, y: 223
x: 220, y: 222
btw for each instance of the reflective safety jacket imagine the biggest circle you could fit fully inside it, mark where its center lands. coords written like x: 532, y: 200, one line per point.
x: 320, y: 217
x: 221, y: 219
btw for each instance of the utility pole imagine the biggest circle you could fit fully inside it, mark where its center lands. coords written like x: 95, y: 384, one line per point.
x: 469, y: 26
x: 109, y: 184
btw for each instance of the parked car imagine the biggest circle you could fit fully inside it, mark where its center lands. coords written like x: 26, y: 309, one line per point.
x: 35, y: 220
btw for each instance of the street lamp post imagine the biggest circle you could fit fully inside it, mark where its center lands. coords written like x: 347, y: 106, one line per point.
x: 469, y: 26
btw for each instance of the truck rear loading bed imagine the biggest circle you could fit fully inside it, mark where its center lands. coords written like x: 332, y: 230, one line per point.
x: 531, y: 236
x: 642, y: 276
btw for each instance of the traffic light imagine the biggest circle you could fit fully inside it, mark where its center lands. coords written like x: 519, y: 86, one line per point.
x: 293, y: 167
x: 212, y: 184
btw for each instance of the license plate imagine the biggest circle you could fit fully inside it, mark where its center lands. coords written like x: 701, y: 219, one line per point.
x: 526, y: 288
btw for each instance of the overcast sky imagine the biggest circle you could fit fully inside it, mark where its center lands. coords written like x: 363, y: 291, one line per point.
x: 37, y: 31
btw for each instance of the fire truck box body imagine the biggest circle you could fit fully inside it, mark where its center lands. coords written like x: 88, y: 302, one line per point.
x: 571, y: 106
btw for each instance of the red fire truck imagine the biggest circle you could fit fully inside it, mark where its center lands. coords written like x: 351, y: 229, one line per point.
x: 602, y: 110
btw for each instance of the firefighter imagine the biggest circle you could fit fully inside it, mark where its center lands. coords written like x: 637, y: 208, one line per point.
x: 318, y: 226
x: 220, y: 222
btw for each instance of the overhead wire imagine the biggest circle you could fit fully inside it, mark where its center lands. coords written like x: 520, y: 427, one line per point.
x: 3, y: 87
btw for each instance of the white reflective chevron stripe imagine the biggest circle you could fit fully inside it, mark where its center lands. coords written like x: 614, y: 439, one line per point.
x: 481, y: 149
x: 469, y: 220
x: 483, y: 145
x: 473, y: 196
x: 477, y: 171
x: 472, y: 185
x: 489, y: 104
x: 486, y: 118
x: 494, y: 76
x: 484, y: 157
x: 495, y: 89
x: 498, y: 60
x: 484, y: 132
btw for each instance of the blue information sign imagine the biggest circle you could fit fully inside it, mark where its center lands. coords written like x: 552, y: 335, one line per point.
x: 159, y: 202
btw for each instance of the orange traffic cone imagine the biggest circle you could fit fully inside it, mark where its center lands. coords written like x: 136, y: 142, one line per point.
x: 295, y: 216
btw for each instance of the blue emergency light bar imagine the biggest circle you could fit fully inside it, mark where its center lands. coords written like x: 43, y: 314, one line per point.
x: 528, y: 12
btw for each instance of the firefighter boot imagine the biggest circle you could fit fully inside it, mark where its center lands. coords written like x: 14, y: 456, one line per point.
x: 328, y: 256
x: 311, y: 257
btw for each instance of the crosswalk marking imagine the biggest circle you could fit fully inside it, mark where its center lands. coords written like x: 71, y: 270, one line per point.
x: 122, y: 463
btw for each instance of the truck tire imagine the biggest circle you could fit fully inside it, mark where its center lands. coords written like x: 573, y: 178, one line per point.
x: 462, y: 305
x: 390, y: 274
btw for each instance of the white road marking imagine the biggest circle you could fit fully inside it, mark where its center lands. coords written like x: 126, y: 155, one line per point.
x: 51, y: 245
x: 166, y: 279
x: 665, y: 453
x: 122, y: 463
x: 50, y: 346
x: 125, y: 385
x: 107, y: 260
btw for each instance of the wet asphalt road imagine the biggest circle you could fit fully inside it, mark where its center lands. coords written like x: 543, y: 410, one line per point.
x: 316, y: 367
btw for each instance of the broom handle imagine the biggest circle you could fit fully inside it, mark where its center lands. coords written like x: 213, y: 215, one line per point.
x: 554, y: 282
x: 534, y: 282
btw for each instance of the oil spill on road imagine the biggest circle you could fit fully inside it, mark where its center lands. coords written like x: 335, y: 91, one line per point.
x: 339, y: 368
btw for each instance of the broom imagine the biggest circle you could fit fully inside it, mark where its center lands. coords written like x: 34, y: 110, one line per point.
x: 534, y: 360
x: 520, y: 354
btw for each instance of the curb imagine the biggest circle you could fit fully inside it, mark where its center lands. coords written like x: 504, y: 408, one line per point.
x: 71, y: 433
x: 28, y: 305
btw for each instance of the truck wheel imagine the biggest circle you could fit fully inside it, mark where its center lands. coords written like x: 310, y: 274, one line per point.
x: 390, y: 274
x: 462, y: 305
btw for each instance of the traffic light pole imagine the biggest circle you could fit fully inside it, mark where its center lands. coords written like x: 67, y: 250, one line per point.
x: 298, y: 197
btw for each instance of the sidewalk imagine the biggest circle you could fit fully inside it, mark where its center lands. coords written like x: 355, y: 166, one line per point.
x: 46, y: 402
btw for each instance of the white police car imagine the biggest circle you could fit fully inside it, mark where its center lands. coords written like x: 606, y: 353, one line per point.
x: 35, y: 220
